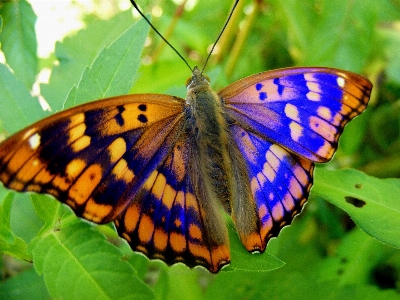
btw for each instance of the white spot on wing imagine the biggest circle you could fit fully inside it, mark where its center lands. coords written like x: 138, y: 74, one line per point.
x: 341, y: 82
x: 292, y: 112
x: 313, y: 96
x: 296, y: 131
x: 34, y: 141
x: 324, y: 112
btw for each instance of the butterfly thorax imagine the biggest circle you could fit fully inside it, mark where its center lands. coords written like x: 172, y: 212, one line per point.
x: 210, y: 136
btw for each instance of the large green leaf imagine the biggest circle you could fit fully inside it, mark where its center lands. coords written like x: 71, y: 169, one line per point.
x: 372, y: 203
x: 17, y: 107
x: 113, y: 70
x: 76, y: 262
x: 355, y: 259
x: 23, y: 286
x: 77, y: 52
x: 18, y: 40
x: 9, y: 243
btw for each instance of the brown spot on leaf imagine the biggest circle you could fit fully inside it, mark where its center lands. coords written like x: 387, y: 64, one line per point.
x: 354, y: 201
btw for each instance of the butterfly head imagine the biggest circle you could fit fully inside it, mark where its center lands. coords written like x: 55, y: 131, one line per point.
x: 197, y: 79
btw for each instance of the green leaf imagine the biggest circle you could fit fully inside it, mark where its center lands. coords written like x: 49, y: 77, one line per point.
x: 338, y: 41
x: 25, y: 222
x: 9, y: 243
x: 391, y: 39
x: 18, y: 107
x: 286, y: 284
x: 354, y: 260
x: 242, y: 260
x: 77, y: 52
x: 113, y: 70
x: 77, y: 262
x: 146, y: 83
x: 24, y: 286
x: 18, y: 40
x: 372, y: 203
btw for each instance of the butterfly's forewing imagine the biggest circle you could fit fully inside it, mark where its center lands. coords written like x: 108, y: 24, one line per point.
x: 95, y: 156
x: 167, y: 219
x: 282, y: 121
x: 302, y: 109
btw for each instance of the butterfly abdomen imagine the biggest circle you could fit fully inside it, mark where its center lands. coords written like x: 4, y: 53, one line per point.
x: 210, y: 139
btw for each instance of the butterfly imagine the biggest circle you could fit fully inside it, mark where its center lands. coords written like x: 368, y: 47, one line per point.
x: 164, y: 169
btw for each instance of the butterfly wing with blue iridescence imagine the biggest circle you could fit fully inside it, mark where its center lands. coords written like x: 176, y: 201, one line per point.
x: 302, y: 109
x: 282, y: 121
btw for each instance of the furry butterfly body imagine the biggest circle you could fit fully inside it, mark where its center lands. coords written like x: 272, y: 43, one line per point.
x: 163, y: 168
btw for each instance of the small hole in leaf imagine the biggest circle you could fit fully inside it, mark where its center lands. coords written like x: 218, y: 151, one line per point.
x: 358, y: 186
x: 354, y: 201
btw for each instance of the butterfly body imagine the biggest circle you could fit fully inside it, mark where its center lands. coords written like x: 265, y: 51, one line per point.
x: 164, y: 168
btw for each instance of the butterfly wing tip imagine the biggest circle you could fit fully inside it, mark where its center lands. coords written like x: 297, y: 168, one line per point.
x: 215, y: 268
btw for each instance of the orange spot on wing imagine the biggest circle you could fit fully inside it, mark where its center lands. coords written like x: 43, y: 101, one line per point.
x: 43, y: 177
x: 29, y: 169
x: 75, y: 167
x: 158, y: 186
x: 77, y: 132
x: 122, y: 172
x: 116, y: 149
x: 86, y: 183
x: 96, y: 212
x: 76, y: 119
x: 23, y: 153
x: 150, y: 181
x: 81, y: 143
x: 62, y: 183
x: 169, y: 196
x: 200, y: 251
x: 177, y: 223
x: 195, y: 232
x: 177, y: 242
x: 146, y: 228
x: 131, y: 218
x: 16, y: 185
x: 160, y: 239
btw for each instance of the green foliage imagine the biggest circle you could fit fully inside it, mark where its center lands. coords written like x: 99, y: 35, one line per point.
x: 324, y: 254
x: 18, y: 40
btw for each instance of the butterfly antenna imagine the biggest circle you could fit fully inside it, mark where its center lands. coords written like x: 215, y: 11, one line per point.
x: 160, y: 35
x: 220, y: 34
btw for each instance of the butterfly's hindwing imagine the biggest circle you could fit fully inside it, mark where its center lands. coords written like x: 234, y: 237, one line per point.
x: 302, y: 109
x: 168, y: 220
x: 280, y: 182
